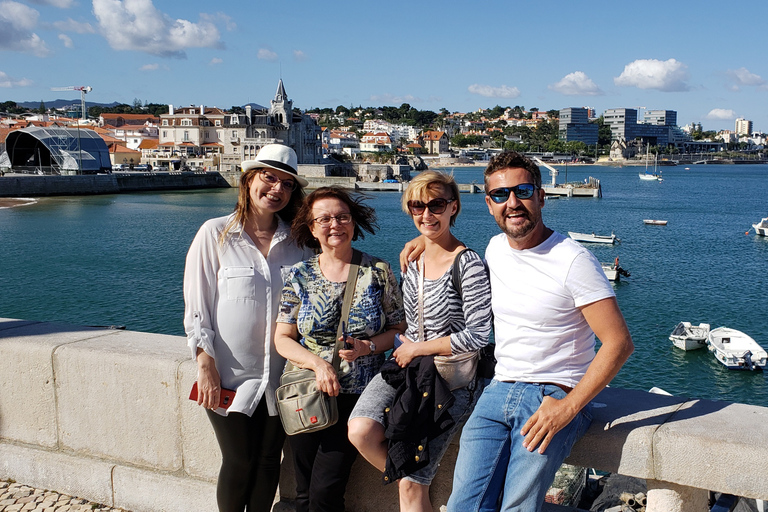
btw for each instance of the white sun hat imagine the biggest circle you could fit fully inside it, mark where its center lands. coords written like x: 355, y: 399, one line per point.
x: 278, y: 157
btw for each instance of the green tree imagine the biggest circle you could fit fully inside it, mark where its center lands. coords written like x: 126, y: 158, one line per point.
x: 41, y: 109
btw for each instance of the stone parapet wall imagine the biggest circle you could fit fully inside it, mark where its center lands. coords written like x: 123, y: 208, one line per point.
x: 105, y: 415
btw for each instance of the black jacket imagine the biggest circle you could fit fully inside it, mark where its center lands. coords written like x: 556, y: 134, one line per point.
x: 418, y: 414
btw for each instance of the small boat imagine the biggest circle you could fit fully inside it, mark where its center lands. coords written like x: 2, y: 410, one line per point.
x: 655, y: 222
x: 648, y: 176
x: 736, y: 350
x: 613, y: 271
x: 761, y: 228
x: 593, y: 238
x: 689, y: 337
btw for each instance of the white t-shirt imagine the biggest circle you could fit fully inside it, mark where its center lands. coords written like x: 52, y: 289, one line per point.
x: 541, y: 335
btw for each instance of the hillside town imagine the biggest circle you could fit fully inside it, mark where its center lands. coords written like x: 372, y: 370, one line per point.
x: 205, y: 138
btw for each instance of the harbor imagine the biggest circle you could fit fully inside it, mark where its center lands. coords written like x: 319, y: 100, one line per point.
x: 123, y: 258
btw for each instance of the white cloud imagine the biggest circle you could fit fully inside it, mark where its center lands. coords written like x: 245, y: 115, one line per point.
x: 66, y: 40
x: 577, y: 84
x: 265, y: 54
x: 61, y: 4
x: 149, y: 67
x: 222, y: 18
x: 743, y: 77
x: 8, y: 81
x: 16, y: 23
x: 70, y: 25
x: 137, y: 25
x: 721, y: 114
x: 489, y: 91
x: 215, y: 61
x: 668, y: 76
x: 299, y: 56
x: 391, y: 99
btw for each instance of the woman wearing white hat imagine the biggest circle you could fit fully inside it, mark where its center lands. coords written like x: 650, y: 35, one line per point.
x: 232, y: 284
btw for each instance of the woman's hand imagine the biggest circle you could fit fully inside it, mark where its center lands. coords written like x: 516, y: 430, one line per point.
x: 208, y: 381
x: 359, y: 348
x: 406, y: 352
x: 327, y: 380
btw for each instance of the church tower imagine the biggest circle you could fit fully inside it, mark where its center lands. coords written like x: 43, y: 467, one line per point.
x: 281, y: 108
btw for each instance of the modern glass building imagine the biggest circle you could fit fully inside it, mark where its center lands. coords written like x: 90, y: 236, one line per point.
x: 575, y: 126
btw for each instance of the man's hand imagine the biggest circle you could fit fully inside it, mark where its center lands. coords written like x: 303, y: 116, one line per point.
x: 550, y: 418
x: 411, y: 252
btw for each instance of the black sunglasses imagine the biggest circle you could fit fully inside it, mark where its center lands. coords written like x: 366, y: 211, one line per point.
x: 436, y: 206
x: 522, y: 191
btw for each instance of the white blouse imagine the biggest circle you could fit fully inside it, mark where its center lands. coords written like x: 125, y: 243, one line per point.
x: 231, y: 295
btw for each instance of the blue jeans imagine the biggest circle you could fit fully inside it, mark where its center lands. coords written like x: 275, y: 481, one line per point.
x: 492, y: 461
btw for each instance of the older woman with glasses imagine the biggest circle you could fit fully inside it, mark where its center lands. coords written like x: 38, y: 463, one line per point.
x: 310, y: 313
x: 443, y: 321
x: 232, y: 283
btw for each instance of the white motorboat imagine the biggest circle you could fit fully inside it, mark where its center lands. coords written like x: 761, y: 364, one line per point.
x: 613, y: 271
x: 655, y: 222
x: 593, y: 238
x: 689, y: 337
x: 736, y: 350
x: 761, y: 228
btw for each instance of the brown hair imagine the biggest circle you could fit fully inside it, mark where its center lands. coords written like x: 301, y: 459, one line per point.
x: 243, y: 206
x: 431, y: 181
x: 512, y: 160
x: 363, y: 216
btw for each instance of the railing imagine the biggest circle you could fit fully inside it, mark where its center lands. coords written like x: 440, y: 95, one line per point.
x: 103, y: 414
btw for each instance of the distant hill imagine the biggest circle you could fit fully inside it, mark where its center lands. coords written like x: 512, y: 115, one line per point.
x: 64, y: 103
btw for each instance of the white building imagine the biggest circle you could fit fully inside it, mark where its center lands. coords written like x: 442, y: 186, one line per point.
x: 743, y: 126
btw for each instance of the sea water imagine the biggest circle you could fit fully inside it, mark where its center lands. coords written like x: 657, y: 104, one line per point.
x: 119, y: 260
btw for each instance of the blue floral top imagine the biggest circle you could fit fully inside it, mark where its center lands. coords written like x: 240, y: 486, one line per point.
x: 313, y: 303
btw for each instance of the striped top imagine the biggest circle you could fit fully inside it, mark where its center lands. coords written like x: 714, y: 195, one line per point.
x: 467, y: 318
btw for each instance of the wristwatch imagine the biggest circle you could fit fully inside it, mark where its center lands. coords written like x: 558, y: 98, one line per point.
x: 373, y: 347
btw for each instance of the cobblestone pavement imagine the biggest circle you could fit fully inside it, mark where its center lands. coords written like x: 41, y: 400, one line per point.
x: 16, y: 497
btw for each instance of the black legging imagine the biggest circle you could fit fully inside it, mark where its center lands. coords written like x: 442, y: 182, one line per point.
x: 323, y: 461
x: 250, y: 466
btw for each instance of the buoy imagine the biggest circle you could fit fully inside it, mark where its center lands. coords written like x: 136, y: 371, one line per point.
x: 746, y: 232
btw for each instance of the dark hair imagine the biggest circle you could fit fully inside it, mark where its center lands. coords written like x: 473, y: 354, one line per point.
x: 512, y: 160
x: 243, y: 206
x: 363, y: 216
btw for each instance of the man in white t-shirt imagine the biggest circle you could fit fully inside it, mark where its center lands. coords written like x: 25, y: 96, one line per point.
x: 550, y: 298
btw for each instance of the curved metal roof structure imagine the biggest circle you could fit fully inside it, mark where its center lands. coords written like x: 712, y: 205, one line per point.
x: 52, y: 150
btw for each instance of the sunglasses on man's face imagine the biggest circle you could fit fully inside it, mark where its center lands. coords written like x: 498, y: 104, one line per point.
x: 436, y: 206
x: 522, y: 191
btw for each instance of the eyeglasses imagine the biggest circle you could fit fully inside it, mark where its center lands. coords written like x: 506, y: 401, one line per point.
x: 326, y: 220
x: 270, y: 179
x: 436, y: 206
x: 522, y: 191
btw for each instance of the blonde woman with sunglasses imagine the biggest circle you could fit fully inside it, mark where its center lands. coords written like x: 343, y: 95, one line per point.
x: 454, y: 322
x: 232, y: 283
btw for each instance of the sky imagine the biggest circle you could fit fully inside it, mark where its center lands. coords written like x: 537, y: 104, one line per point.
x: 705, y: 59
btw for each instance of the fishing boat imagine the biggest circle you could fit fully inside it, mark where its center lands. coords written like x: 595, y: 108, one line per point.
x: 655, y: 222
x: 686, y: 336
x: 761, y: 228
x: 593, y: 238
x: 613, y: 271
x: 736, y: 350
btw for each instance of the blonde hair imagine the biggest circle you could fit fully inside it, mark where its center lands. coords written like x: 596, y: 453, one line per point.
x: 432, y: 182
x: 243, y: 206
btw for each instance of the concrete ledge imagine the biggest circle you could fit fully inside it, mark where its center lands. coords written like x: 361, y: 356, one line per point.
x: 105, y: 416
x: 70, y: 474
x: 138, y: 489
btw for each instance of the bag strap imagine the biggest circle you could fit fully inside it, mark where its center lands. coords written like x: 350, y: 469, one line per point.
x: 349, y: 292
x: 456, y: 272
